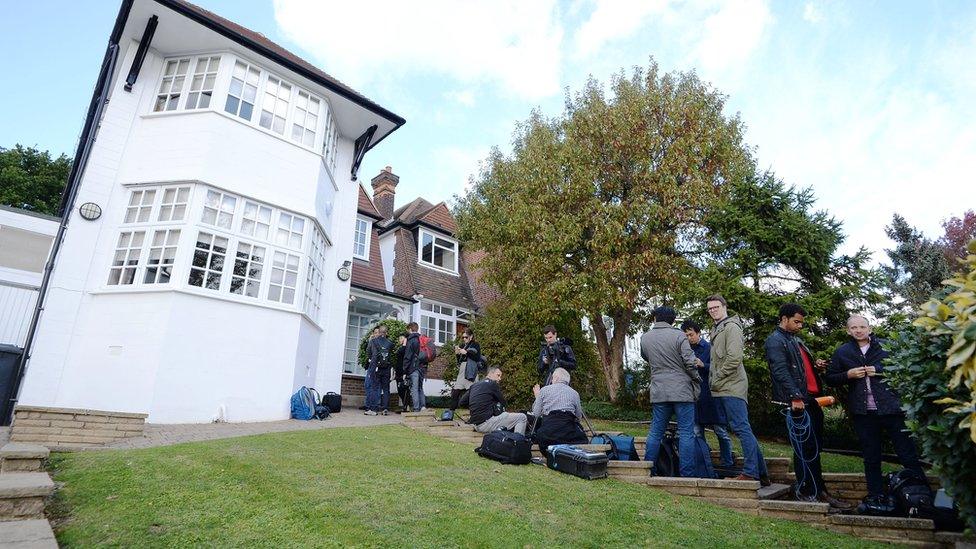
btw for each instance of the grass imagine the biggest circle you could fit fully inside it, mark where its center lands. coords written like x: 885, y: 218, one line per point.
x: 373, y: 487
x: 832, y: 463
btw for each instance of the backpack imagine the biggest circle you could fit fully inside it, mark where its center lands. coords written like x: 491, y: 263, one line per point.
x: 426, y: 350
x: 912, y: 494
x: 621, y: 446
x: 383, y: 361
x: 303, y: 404
x: 321, y: 411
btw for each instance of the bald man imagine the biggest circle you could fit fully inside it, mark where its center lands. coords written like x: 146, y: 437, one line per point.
x: 876, y: 408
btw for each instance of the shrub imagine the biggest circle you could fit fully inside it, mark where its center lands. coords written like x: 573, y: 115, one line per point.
x: 933, y: 366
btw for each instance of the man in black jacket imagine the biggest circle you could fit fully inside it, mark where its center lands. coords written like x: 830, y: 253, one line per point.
x: 874, y: 406
x: 379, y: 350
x: 412, y: 367
x: 795, y: 380
x: 555, y: 353
x: 487, y: 406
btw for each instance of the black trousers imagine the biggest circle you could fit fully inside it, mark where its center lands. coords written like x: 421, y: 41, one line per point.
x: 456, y: 395
x: 869, y: 428
x: 559, y: 428
x: 813, y: 482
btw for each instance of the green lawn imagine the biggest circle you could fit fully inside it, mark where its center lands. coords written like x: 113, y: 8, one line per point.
x: 832, y: 463
x: 372, y: 487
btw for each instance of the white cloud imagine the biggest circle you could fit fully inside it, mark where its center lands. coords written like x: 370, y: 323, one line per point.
x: 812, y: 13
x: 464, y: 97
x: 614, y: 20
x: 731, y: 34
x: 513, y: 44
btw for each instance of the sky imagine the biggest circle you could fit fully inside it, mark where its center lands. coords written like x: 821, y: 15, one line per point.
x: 869, y: 103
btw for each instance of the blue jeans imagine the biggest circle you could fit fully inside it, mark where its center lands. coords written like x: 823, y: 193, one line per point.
x: 372, y: 390
x: 724, y: 443
x: 417, y: 397
x: 737, y: 413
x: 662, y: 412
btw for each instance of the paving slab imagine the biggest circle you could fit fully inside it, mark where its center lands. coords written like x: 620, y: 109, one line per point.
x: 27, y: 534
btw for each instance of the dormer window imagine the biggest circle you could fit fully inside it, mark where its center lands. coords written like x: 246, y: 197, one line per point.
x: 438, y: 252
x: 360, y: 247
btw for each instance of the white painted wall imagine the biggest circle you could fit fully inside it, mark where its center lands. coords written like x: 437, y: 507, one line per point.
x: 179, y: 355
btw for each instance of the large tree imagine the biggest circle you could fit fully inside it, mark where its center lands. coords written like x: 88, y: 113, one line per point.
x: 593, y: 208
x: 31, y: 179
x: 766, y: 245
x: 958, y: 232
x: 918, y: 266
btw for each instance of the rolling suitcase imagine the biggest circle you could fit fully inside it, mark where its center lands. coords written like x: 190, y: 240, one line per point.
x: 506, y: 447
x: 575, y: 461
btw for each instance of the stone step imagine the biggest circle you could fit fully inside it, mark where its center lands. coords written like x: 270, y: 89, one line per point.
x: 629, y: 469
x: 27, y: 534
x: 22, y: 495
x: 773, y: 491
x: 799, y: 511
x: 22, y: 457
x: 883, y: 528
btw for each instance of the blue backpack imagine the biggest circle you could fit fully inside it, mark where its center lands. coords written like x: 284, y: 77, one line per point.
x: 303, y: 404
x: 621, y: 446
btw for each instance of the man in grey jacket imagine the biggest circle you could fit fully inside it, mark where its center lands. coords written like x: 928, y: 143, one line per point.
x: 675, y: 384
x: 730, y: 386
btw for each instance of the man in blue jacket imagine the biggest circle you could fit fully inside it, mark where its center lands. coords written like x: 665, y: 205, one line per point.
x: 874, y: 407
x: 706, y: 412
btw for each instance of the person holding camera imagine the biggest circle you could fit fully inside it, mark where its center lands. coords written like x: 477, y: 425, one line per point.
x: 555, y: 353
x: 874, y: 407
x: 559, y: 406
x: 487, y: 406
x: 469, y: 361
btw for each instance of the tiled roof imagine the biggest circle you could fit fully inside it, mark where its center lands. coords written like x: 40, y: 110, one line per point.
x: 412, y: 211
x: 410, y: 277
x: 366, y: 206
x: 369, y: 274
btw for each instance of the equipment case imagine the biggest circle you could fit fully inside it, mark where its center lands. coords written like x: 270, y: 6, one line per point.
x: 571, y: 459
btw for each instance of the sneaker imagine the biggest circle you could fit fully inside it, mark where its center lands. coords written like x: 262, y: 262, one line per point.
x: 369, y: 413
x: 386, y: 412
x: 423, y: 408
x: 764, y: 481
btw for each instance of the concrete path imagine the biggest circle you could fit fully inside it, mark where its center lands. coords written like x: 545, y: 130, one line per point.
x: 165, y: 435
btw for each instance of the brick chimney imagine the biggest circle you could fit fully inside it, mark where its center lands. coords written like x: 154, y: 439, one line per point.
x: 384, y: 191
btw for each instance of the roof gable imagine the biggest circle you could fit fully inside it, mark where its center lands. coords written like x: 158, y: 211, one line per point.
x: 440, y: 216
x: 366, y: 206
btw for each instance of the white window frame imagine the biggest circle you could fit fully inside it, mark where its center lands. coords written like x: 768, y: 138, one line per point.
x: 138, y: 205
x: 367, y: 236
x: 210, y: 72
x: 283, y: 264
x: 161, y: 256
x: 330, y: 139
x: 253, y: 224
x: 278, y: 101
x: 434, y: 236
x: 236, y: 113
x: 172, y: 99
x: 179, y: 205
x: 127, y: 258
x: 254, y: 262
x: 435, y: 311
x: 315, y: 276
x: 288, y: 231
x: 221, y: 210
x: 305, y: 120
x: 207, y: 268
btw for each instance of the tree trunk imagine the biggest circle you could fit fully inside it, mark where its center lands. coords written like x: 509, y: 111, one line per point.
x: 611, y: 350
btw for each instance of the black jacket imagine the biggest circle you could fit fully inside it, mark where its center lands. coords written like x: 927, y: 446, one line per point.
x: 786, y: 366
x: 484, y: 399
x: 411, y: 356
x: 473, y: 352
x: 560, y: 356
x: 849, y: 356
x: 398, y: 364
x: 376, y: 349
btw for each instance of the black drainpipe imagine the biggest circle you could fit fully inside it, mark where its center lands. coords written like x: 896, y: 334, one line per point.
x: 99, y: 100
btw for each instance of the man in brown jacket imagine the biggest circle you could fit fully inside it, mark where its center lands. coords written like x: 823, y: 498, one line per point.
x: 730, y: 386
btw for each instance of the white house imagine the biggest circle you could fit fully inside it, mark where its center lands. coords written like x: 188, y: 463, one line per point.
x: 209, y: 275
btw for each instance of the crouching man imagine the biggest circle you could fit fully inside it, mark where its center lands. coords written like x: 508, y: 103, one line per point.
x: 559, y: 406
x: 487, y: 405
